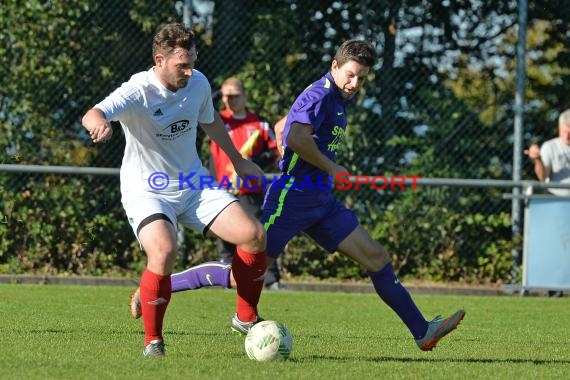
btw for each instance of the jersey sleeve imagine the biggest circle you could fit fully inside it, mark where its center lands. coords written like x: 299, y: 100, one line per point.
x: 121, y: 102
x: 309, y: 108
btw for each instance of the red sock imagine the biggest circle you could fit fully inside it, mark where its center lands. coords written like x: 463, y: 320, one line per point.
x: 247, y: 267
x: 155, y: 295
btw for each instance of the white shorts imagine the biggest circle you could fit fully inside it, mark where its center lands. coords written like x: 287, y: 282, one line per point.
x: 195, y: 209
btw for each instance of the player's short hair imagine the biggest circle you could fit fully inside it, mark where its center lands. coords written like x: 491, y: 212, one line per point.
x: 355, y: 50
x: 172, y: 36
x: 564, y: 118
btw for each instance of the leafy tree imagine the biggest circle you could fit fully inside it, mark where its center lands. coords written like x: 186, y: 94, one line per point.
x: 55, y: 60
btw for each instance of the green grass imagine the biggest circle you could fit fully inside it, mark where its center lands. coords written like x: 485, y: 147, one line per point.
x: 81, y: 332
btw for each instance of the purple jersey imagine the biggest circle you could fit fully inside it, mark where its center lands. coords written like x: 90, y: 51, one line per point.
x: 290, y: 205
x: 321, y: 106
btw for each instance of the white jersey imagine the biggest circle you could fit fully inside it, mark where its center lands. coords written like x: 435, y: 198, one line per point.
x: 160, y: 129
x: 556, y: 155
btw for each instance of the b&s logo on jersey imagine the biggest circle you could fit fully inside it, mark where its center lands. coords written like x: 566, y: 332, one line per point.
x: 174, y: 130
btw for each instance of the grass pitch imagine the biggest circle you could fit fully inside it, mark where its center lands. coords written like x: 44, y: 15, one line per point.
x: 81, y: 332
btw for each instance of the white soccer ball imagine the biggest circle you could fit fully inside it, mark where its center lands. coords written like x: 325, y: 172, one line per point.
x: 268, y: 340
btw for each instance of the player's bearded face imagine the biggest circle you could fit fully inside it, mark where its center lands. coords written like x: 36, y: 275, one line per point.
x: 349, y: 77
x: 175, y: 69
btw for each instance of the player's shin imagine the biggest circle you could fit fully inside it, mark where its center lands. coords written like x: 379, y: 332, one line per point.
x: 248, y: 270
x: 389, y: 288
x: 155, y: 293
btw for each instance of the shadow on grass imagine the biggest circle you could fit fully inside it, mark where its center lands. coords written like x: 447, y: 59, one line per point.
x: 46, y: 331
x: 220, y: 334
x: 379, y: 359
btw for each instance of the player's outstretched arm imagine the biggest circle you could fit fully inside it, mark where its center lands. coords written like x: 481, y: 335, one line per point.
x: 217, y: 132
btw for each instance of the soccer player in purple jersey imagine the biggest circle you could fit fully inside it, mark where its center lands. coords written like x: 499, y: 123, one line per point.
x: 312, y: 134
x: 301, y: 199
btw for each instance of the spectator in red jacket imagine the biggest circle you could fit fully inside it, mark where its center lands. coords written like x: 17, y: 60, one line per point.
x: 255, y: 140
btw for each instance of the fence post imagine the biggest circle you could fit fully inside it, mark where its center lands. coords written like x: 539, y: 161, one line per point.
x: 187, y: 13
x: 519, y: 123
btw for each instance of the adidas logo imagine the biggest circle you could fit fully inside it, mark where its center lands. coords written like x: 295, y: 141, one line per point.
x: 158, y: 301
x: 158, y: 112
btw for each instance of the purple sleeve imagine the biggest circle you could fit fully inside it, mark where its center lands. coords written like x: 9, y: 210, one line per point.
x: 309, y: 108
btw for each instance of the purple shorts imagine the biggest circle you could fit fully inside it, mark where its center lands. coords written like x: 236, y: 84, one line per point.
x: 288, y: 212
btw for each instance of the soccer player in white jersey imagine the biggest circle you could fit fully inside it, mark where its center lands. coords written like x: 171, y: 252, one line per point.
x: 161, y: 176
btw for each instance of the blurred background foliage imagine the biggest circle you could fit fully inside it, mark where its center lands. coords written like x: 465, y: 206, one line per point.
x: 439, y: 103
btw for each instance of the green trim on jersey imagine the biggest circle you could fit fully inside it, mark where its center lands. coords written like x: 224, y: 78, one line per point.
x: 290, y: 181
x: 292, y: 163
x: 282, y: 196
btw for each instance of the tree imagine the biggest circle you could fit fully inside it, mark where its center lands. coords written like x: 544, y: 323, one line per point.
x: 56, y: 58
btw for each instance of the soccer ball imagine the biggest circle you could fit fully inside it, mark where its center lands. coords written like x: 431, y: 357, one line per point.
x: 268, y: 340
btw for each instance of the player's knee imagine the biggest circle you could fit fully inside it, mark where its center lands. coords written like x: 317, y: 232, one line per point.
x: 161, y: 261
x: 259, y: 237
x: 378, y: 259
x: 160, y: 250
x: 254, y: 237
x: 383, y: 258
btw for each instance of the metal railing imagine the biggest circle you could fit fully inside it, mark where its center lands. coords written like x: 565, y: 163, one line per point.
x: 453, y: 182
